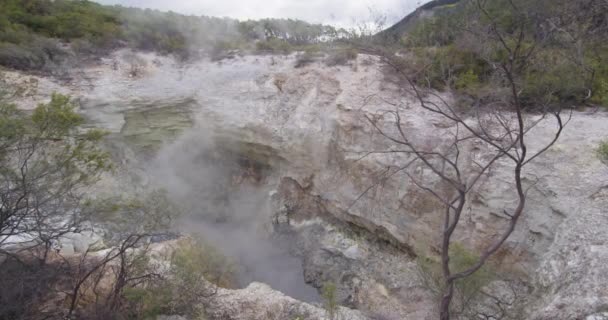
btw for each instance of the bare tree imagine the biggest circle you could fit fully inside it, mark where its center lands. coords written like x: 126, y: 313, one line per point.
x: 502, y: 127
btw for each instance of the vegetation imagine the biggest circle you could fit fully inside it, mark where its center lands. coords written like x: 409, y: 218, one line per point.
x: 274, y: 45
x: 602, y: 151
x: 45, y: 160
x: 32, y: 32
x: 468, y: 290
x: 307, y: 57
x: 568, y: 41
x: 341, y: 56
x: 192, y: 264
x: 48, y: 162
x: 336, y: 55
x: 497, y: 60
x: 330, y: 302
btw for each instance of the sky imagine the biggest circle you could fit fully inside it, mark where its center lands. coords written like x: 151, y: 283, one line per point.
x: 342, y: 13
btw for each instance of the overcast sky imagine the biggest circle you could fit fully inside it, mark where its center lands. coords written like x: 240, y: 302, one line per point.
x: 345, y: 13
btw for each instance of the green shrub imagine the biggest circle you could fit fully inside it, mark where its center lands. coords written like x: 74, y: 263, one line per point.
x: 599, y: 81
x: 448, y: 67
x: 466, y: 290
x: 40, y: 54
x: 544, y: 79
x: 600, y: 90
x: 183, y: 288
x: 602, y: 151
x: 108, y: 27
x: 150, y: 302
x: 273, y: 46
x: 341, y: 57
x: 226, y: 49
x: 467, y: 81
x: 196, y: 259
x: 330, y: 302
x: 306, y: 58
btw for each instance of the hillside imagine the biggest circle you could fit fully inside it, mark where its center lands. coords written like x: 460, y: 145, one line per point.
x: 43, y: 34
x: 458, y: 46
x: 429, y: 9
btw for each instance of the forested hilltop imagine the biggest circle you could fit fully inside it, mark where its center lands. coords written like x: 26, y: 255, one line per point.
x: 33, y: 33
x: 561, y: 47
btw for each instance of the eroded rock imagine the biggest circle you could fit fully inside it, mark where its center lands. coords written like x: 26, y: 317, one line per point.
x: 308, y: 126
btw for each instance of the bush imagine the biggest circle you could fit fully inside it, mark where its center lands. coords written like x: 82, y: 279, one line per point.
x: 40, y: 54
x: 330, y: 302
x: 467, y: 82
x: 544, y: 80
x: 195, y: 260
x: 273, y: 46
x: 599, y: 81
x: 25, y: 286
x: 602, y: 151
x: 225, y: 49
x: 465, y: 290
x: 193, y: 263
x: 20, y: 58
x: 341, y: 57
x: 110, y: 27
x: 450, y: 67
x: 305, y: 58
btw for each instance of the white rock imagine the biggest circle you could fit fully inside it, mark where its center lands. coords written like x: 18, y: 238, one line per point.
x: 313, y: 124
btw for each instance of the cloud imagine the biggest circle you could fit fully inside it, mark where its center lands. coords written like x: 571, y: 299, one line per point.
x: 336, y: 12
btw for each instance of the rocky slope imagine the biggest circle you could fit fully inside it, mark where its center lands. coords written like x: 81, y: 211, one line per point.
x: 300, y: 135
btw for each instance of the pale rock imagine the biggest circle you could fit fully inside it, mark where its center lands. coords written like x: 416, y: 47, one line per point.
x: 260, y: 302
x: 309, y: 122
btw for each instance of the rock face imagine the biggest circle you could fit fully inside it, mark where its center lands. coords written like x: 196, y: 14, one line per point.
x: 307, y: 126
x: 259, y: 302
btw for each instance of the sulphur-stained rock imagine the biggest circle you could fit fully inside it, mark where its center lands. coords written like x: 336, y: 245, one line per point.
x: 307, y: 126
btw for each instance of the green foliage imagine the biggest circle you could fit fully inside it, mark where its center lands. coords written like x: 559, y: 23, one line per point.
x: 467, y: 80
x: 602, y: 151
x: 35, y: 54
x: 461, y: 260
x: 598, y: 65
x: 26, y: 26
x: 543, y: 80
x: 55, y: 122
x: 330, y: 302
x: 148, y: 303
x: 304, y: 59
x: 12, y: 125
x: 450, y: 67
x: 193, y: 263
x: 466, y: 289
x: 143, y: 213
x: 48, y: 161
x: 196, y: 259
x: 57, y: 117
x: 274, y: 46
x: 435, y: 31
x: 62, y: 18
x: 341, y: 56
x: 451, y: 50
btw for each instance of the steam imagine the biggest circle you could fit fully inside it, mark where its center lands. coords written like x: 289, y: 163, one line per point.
x: 229, y: 208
